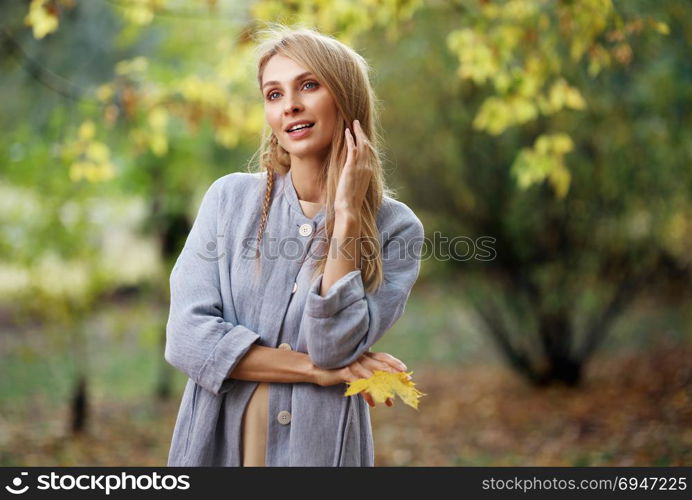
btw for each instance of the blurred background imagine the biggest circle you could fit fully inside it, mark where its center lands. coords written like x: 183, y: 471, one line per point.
x: 545, y: 145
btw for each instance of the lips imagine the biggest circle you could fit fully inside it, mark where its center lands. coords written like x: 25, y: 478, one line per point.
x: 301, y: 122
x: 301, y: 132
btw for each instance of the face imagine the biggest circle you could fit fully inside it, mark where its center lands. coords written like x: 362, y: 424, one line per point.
x: 292, y: 94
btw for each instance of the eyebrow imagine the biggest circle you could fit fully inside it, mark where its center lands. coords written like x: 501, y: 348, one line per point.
x: 275, y: 82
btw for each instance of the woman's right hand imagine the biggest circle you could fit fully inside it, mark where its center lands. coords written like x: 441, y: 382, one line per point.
x: 363, y: 367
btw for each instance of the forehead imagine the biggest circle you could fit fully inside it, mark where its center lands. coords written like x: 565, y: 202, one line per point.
x: 281, y: 68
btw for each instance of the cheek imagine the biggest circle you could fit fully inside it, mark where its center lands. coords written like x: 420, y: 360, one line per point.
x: 332, y: 119
x: 328, y: 112
x: 271, y: 122
x: 333, y: 114
x: 271, y: 119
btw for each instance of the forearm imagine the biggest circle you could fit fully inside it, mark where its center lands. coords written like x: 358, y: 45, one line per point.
x: 344, y: 251
x: 268, y: 364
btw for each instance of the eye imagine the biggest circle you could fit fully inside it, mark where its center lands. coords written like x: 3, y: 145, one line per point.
x: 270, y: 94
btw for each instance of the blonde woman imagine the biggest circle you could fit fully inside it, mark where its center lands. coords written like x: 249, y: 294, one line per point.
x: 291, y: 273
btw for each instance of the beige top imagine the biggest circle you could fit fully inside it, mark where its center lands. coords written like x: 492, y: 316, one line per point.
x: 310, y: 208
x: 255, y: 419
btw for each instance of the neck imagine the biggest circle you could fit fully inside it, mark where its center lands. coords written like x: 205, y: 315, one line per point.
x: 305, y: 173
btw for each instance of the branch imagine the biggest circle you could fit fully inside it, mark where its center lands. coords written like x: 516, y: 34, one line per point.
x: 596, y: 333
x: 492, y: 318
x: 185, y: 14
x: 43, y: 75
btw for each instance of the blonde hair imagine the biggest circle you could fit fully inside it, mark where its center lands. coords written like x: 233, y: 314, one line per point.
x: 345, y: 74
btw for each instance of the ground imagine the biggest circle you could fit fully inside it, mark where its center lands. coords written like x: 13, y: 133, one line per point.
x: 632, y: 410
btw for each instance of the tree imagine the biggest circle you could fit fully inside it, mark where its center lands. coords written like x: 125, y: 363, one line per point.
x: 546, y: 128
x: 535, y: 122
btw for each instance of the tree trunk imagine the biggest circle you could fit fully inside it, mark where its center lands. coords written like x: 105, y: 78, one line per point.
x: 556, y: 335
x: 79, y: 406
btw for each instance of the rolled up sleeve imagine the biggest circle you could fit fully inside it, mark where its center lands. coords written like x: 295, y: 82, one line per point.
x: 199, y: 341
x: 348, y: 320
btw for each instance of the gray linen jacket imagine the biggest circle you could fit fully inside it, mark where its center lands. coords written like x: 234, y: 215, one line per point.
x: 220, y: 307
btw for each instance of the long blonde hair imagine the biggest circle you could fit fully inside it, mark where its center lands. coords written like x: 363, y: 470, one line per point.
x: 345, y: 74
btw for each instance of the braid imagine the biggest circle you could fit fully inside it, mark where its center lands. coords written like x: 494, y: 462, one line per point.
x: 268, y: 165
x: 265, y: 207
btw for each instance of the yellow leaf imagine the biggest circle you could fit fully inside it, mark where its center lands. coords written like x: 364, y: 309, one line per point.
x: 662, y: 28
x: 574, y: 99
x: 158, y: 144
x: 383, y: 385
x: 41, y: 18
x: 104, y: 92
x: 140, y: 11
x: 86, y: 130
x: 77, y: 170
x: 158, y: 118
x: 136, y: 65
x: 560, y: 178
x: 228, y: 136
x: 97, y: 152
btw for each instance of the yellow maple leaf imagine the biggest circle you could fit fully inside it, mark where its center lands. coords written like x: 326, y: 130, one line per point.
x: 382, y: 385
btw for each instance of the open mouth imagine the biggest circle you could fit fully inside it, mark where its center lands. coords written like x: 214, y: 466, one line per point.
x: 298, y: 128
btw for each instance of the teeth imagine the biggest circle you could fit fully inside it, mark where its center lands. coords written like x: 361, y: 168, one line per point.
x: 298, y: 127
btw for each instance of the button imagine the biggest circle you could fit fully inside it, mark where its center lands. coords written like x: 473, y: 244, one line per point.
x: 295, y: 287
x: 284, y: 417
x: 285, y: 347
x: 305, y: 229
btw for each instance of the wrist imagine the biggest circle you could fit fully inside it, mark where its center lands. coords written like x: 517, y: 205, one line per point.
x: 346, y: 223
x: 346, y: 216
x: 310, y: 371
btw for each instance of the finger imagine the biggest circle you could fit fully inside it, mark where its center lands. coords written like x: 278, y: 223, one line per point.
x: 375, y: 364
x: 368, y: 399
x: 348, y: 374
x: 360, y: 137
x: 391, y: 360
x: 359, y: 132
x: 382, y: 361
x: 351, y: 138
x: 360, y: 371
x: 350, y: 145
x: 350, y: 141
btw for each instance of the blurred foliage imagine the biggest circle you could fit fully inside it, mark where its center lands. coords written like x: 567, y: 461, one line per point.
x: 558, y: 131
x: 570, y: 255
x: 557, y: 128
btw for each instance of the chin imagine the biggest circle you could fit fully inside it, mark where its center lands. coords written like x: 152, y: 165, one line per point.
x: 308, y: 150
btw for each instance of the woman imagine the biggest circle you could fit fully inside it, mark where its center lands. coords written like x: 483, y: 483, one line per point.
x: 290, y: 274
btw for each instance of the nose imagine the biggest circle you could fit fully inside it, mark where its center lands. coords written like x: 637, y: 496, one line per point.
x: 293, y: 104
